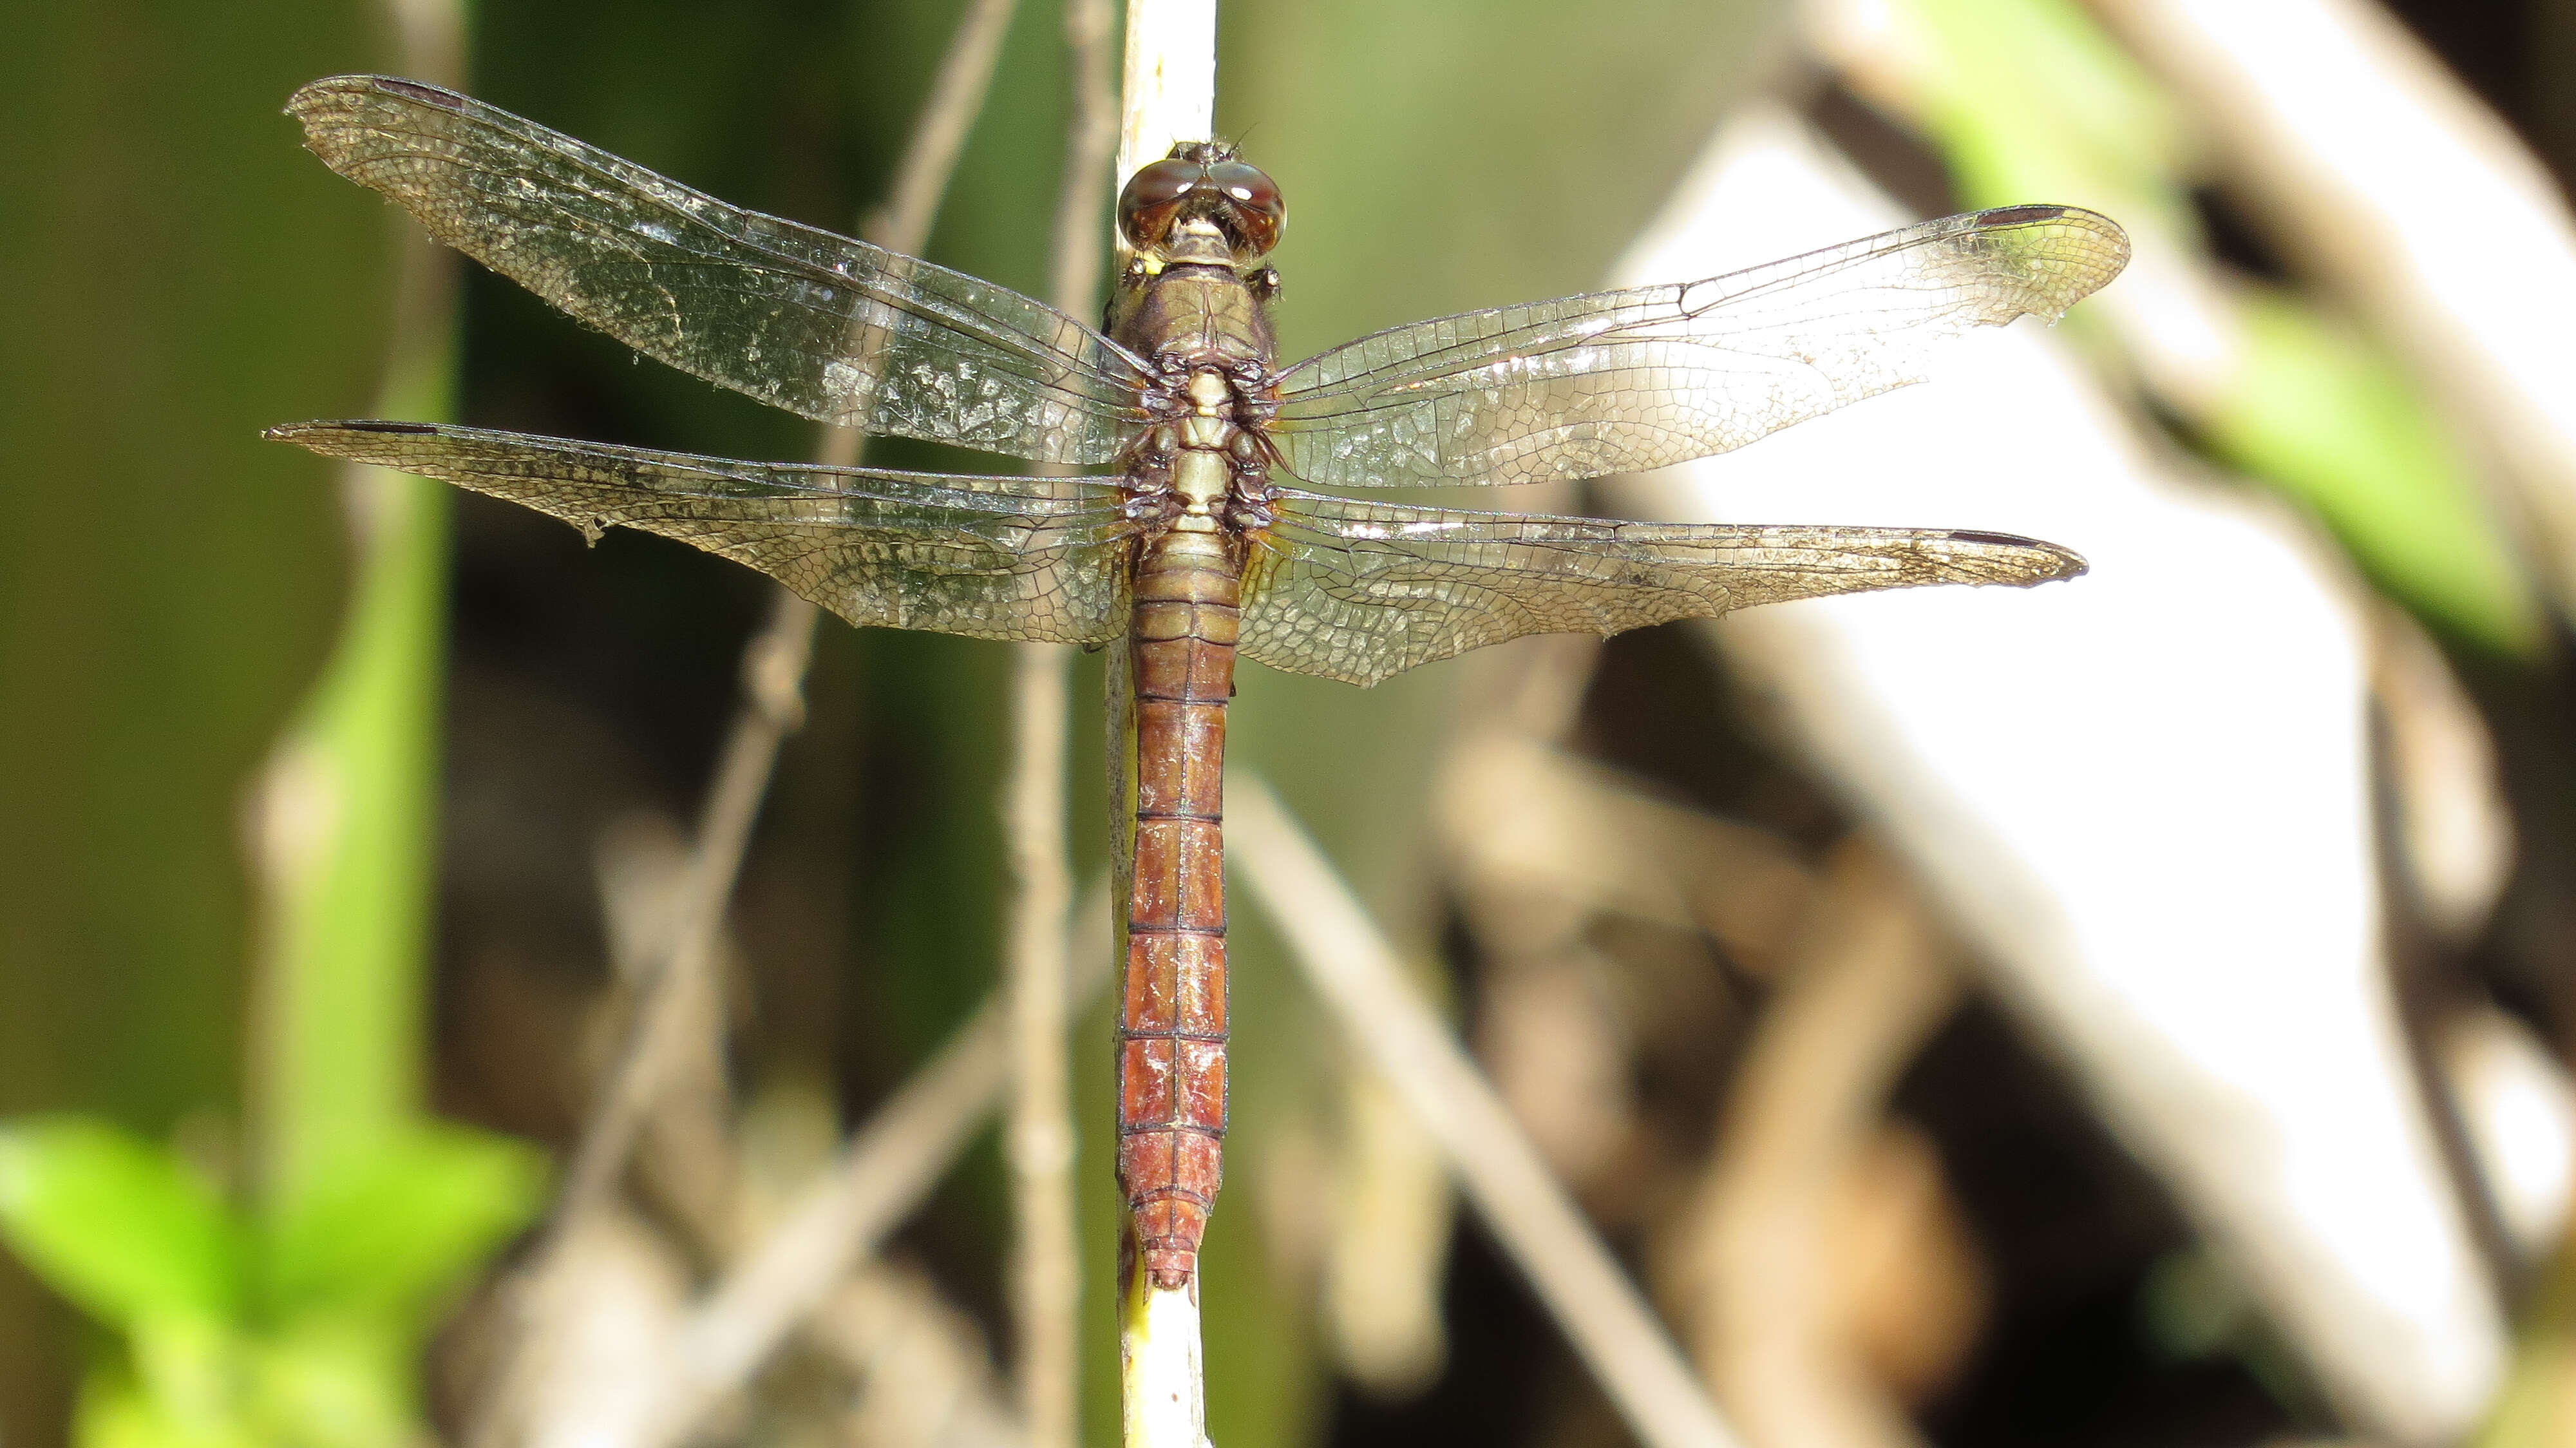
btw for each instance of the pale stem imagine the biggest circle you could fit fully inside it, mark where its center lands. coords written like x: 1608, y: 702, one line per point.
x: 1046, y: 1277
x: 1356, y: 971
x: 774, y: 667
x: 1169, y: 92
x: 1165, y: 1398
x: 1169, y: 88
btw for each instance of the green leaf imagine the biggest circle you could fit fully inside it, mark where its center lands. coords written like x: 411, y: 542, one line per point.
x: 337, y: 1383
x: 352, y: 803
x: 197, y: 1384
x: 2042, y: 73
x: 116, y: 1224
x: 355, y: 786
x: 2331, y: 421
x: 194, y: 1380
x: 392, y: 1230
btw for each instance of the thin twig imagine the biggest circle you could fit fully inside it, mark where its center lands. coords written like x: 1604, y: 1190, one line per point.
x: 1868, y: 984
x: 879, y: 1177
x: 924, y: 1379
x: 659, y: 1026
x: 837, y: 1223
x: 1047, y: 1271
x: 774, y: 667
x: 1354, y: 968
x: 1073, y: 281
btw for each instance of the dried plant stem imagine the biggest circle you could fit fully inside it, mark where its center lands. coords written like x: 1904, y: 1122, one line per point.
x: 773, y: 667
x: 1163, y: 1378
x: 1073, y: 282
x: 772, y: 670
x: 1168, y: 91
x: 1354, y: 968
x: 930, y: 156
x: 1046, y: 1273
x: 773, y: 678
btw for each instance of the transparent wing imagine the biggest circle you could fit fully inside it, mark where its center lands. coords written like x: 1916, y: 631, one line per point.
x: 1363, y: 591
x: 999, y: 558
x: 1626, y: 381
x: 835, y: 329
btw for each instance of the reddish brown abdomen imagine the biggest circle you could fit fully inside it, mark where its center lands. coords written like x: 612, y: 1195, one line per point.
x: 1171, y: 1019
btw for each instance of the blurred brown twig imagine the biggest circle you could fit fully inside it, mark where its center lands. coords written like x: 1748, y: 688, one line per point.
x: 1355, y: 971
x: 773, y: 675
x: 1046, y: 1274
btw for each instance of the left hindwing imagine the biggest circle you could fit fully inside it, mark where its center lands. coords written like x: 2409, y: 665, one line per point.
x: 989, y: 557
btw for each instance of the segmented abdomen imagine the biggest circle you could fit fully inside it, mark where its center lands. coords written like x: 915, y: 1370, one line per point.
x: 1171, y: 1019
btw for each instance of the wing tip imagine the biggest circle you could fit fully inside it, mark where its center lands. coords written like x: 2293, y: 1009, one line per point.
x: 316, y: 96
x: 2053, y: 562
x: 2110, y: 235
x: 340, y: 437
x: 2027, y: 214
x: 290, y: 431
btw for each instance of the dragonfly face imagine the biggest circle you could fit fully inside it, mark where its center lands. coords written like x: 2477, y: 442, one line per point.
x: 1195, y: 551
x: 1202, y: 181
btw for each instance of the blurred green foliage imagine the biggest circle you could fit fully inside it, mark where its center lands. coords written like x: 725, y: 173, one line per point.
x: 2537, y: 1406
x: 167, y: 581
x: 288, y: 1306
x: 298, y: 1327
x: 2028, y: 100
x: 350, y: 816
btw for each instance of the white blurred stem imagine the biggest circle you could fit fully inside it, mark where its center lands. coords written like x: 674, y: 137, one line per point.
x: 1168, y: 94
x: 1158, y: 1360
x: 1351, y: 964
x: 1169, y: 88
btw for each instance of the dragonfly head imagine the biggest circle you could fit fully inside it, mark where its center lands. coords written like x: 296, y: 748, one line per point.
x: 1202, y: 205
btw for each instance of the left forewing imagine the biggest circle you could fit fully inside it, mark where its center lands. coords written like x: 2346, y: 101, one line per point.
x: 989, y: 557
x: 1361, y: 591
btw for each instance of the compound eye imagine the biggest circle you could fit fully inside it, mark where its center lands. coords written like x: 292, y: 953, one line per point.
x: 1256, y: 201
x: 1152, y: 200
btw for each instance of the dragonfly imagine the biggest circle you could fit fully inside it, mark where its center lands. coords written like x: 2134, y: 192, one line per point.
x: 1202, y: 542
